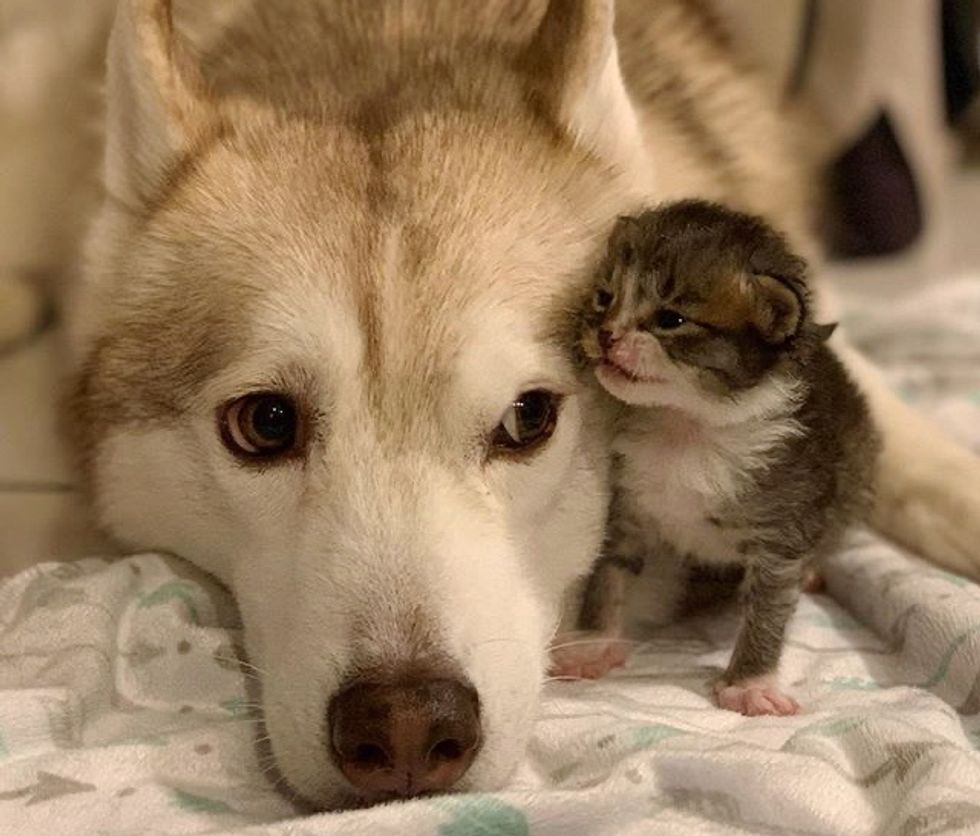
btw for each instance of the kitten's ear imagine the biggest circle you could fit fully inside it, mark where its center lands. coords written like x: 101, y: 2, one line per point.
x: 777, y: 290
x: 572, y: 65
x: 624, y: 240
x: 774, y: 259
x: 826, y: 331
x: 157, y: 105
x: 776, y: 308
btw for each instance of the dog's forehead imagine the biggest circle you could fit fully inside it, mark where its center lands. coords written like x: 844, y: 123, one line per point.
x: 445, y: 260
x: 410, y: 256
x: 405, y: 323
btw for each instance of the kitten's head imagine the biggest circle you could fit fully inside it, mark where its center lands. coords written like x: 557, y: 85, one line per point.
x: 697, y: 305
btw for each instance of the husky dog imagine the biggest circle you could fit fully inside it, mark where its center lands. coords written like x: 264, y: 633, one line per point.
x: 324, y: 342
x: 745, y: 444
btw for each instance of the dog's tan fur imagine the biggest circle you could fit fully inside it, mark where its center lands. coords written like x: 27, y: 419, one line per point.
x: 390, y: 210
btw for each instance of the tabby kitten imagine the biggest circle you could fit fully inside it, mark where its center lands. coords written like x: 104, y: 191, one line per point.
x: 742, y: 442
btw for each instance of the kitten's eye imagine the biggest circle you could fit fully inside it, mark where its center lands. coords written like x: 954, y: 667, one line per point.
x: 528, y: 422
x: 263, y: 425
x: 603, y: 299
x: 668, y: 320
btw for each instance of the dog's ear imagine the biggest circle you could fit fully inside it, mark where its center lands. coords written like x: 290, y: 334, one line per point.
x: 157, y: 106
x: 573, y: 67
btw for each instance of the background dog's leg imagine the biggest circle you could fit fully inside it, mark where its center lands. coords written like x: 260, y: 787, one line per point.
x: 51, y: 57
x: 927, y: 487
x: 21, y: 309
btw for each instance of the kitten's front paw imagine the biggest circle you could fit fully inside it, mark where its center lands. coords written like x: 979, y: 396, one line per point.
x: 584, y: 656
x: 755, y: 698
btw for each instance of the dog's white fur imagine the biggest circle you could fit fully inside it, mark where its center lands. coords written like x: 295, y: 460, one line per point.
x: 274, y: 260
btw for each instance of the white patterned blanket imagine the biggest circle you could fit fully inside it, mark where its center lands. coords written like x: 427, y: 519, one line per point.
x: 122, y: 710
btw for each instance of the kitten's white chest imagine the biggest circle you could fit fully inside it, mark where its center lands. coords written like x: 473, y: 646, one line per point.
x: 678, y: 474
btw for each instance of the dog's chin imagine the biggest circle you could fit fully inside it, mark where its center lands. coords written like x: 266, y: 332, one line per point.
x: 296, y: 755
x: 629, y: 387
x: 341, y: 800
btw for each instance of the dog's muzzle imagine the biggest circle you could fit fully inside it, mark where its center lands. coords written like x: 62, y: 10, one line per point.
x: 404, y: 738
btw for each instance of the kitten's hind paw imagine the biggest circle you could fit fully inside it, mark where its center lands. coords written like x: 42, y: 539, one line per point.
x: 581, y: 656
x: 755, y: 698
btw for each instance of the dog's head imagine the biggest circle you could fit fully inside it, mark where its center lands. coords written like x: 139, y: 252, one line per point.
x: 327, y: 353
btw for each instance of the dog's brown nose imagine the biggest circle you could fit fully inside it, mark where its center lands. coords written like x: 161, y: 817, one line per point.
x: 404, y: 738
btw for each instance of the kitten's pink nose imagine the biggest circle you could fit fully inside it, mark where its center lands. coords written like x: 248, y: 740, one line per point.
x: 624, y: 353
x: 606, y: 339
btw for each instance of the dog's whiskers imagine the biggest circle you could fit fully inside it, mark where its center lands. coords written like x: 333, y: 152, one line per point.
x: 243, y: 663
x: 500, y: 640
x: 548, y: 679
x: 598, y: 640
x: 246, y: 704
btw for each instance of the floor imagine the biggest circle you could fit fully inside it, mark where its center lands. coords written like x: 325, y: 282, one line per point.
x: 41, y: 515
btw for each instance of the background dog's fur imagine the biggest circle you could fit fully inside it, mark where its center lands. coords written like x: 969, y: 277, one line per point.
x: 510, y: 149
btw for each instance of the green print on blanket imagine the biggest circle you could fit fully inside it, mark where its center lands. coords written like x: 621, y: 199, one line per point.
x: 46, y: 787
x: 944, y: 664
x: 173, y: 591
x: 626, y: 742
x: 644, y: 737
x: 944, y: 817
x: 236, y: 706
x: 199, y: 803
x: 901, y: 759
x: 955, y: 580
x: 142, y: 653
x: 482, y: 815
x: 835, y: 728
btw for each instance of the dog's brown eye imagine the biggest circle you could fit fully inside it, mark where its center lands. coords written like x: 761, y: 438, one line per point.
x: 529, y: 421
x: 668, y: 320
x: 260, y: 425
x: 603, y: 299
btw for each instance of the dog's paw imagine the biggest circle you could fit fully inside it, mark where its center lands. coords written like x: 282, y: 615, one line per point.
x: 585, y: 657
x: 755, y: 698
